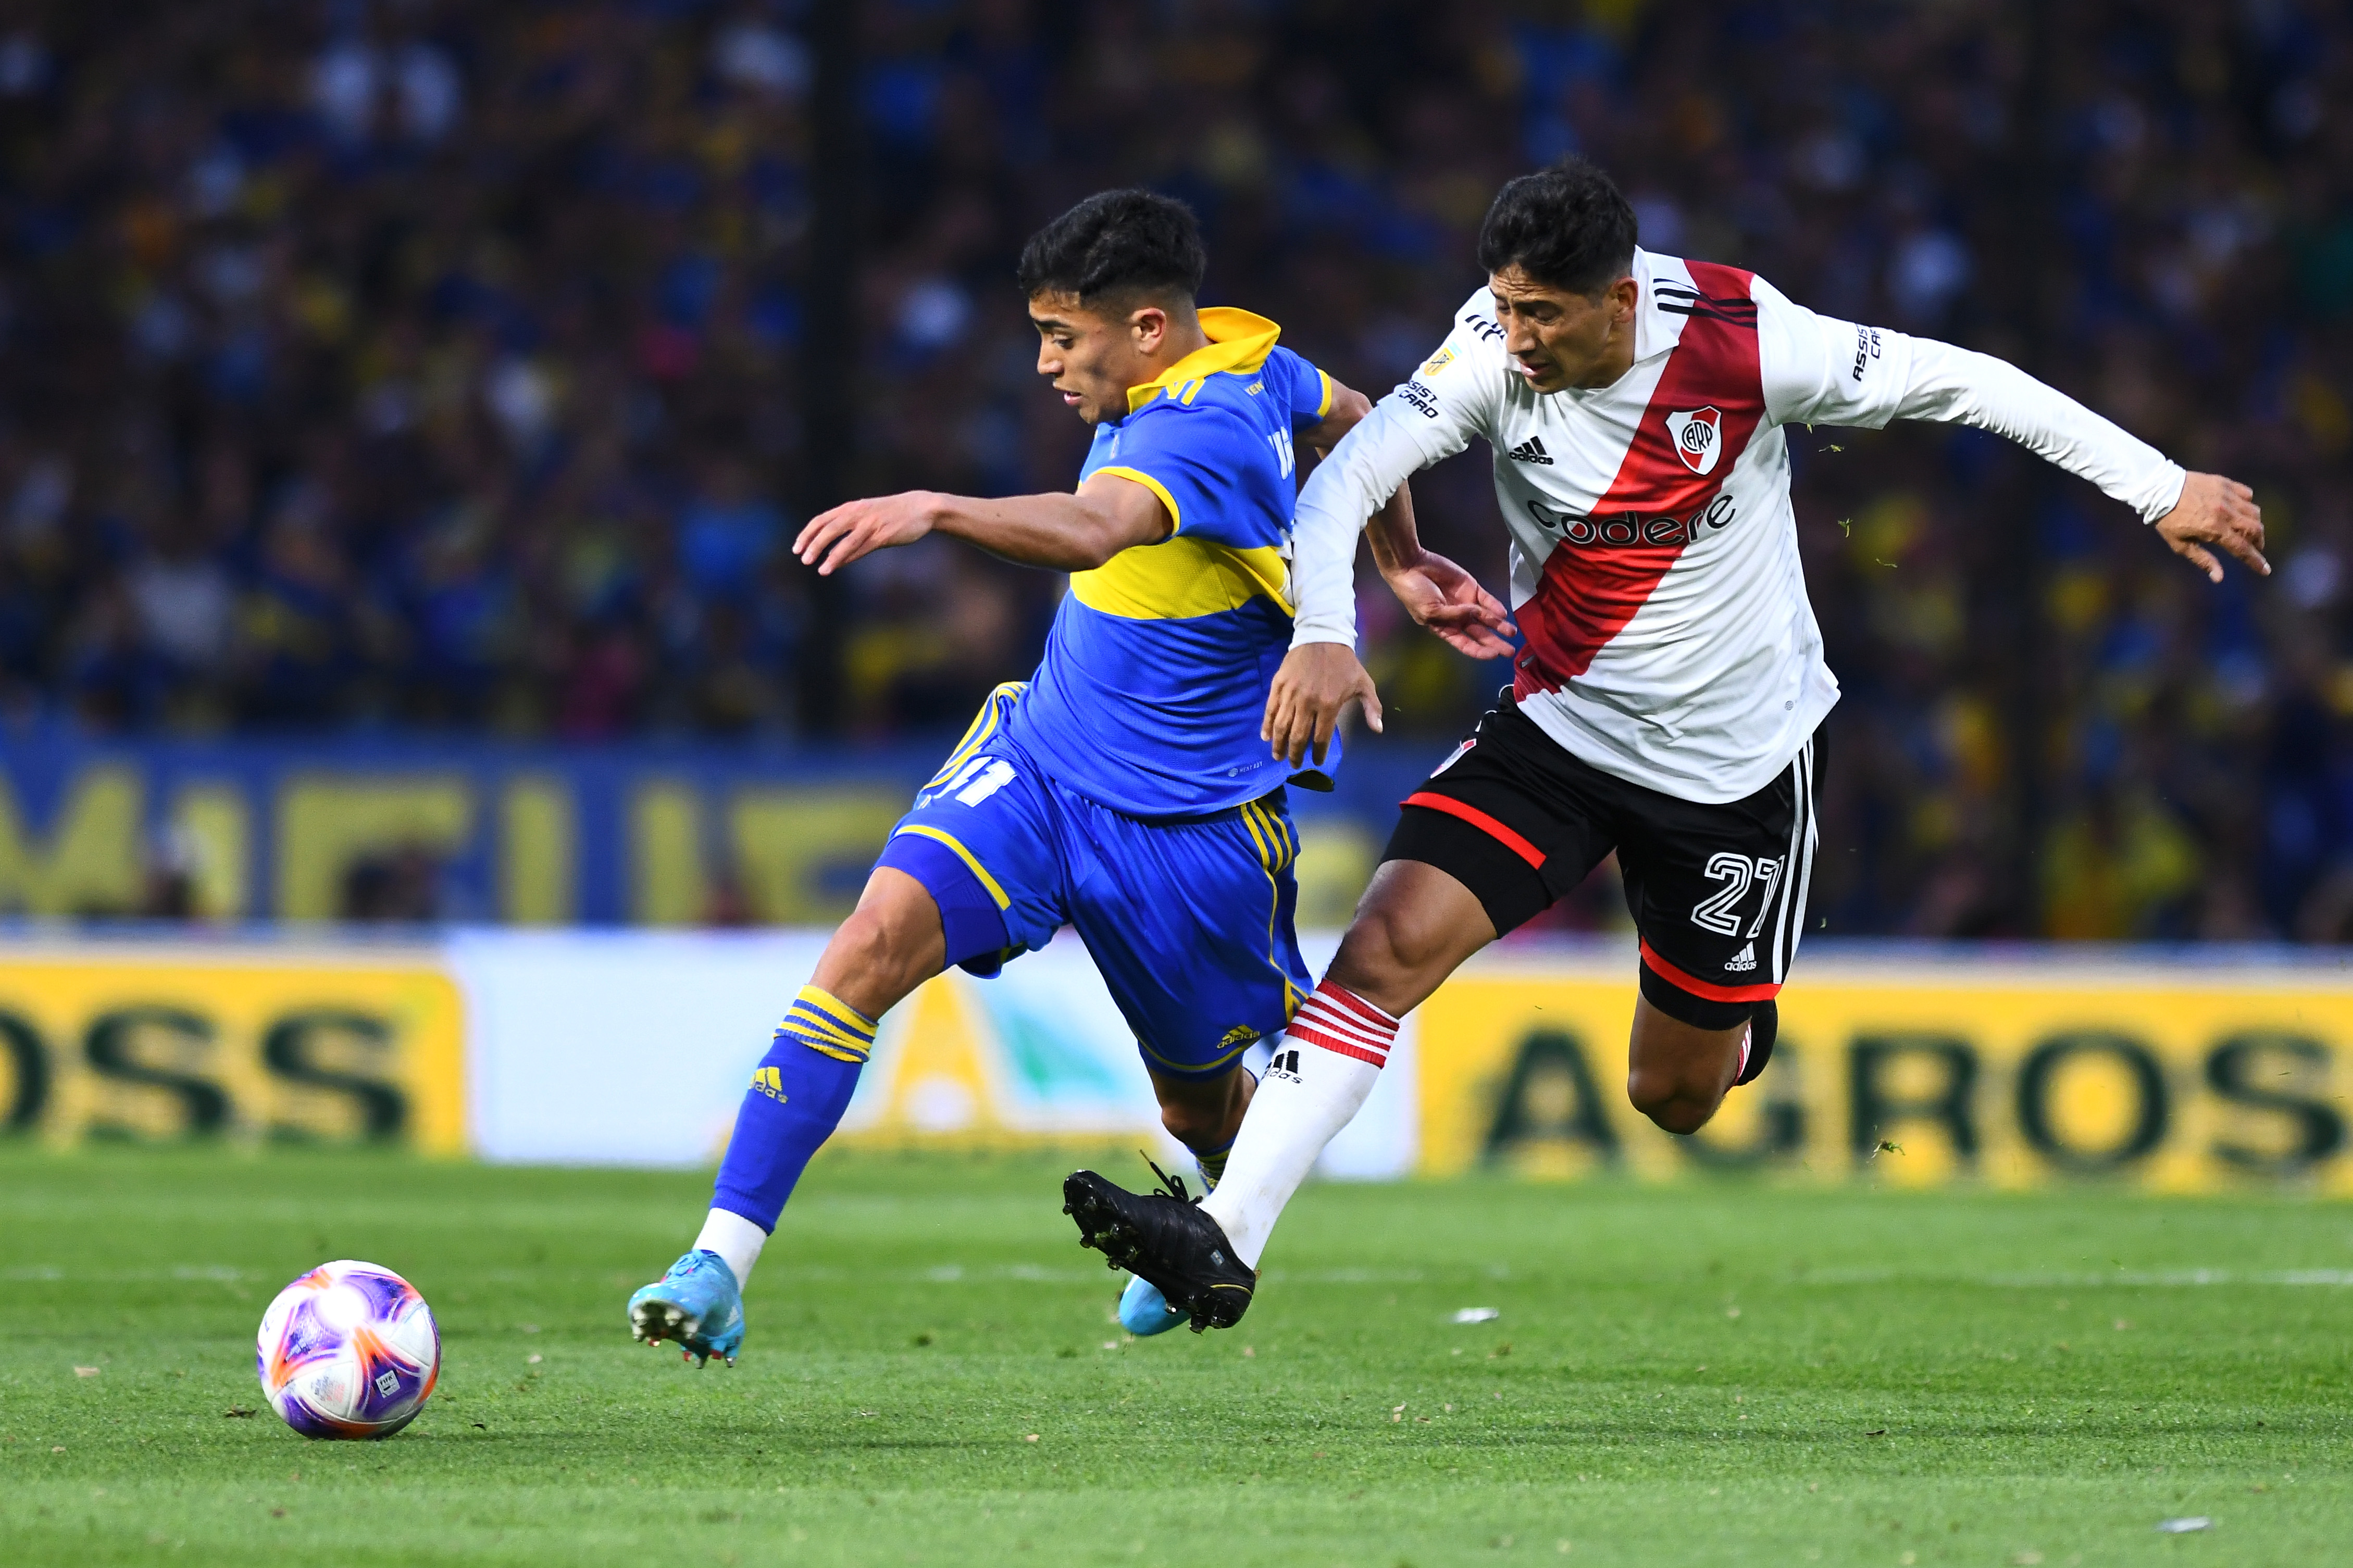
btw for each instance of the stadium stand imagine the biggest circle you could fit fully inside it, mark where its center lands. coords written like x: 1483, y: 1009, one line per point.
x: 429, y: 367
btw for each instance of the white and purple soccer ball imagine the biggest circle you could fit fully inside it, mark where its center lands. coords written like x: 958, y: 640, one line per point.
x: 349, y: 1349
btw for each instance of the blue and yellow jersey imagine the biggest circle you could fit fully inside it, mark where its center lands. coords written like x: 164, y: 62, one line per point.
x: 1154, y: 679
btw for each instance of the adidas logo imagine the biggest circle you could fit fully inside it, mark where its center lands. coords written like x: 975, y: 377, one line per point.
x: 770, y: 1082
x: 1743, y: 960
x: 1285, y: 1062
x: 1531, y: 451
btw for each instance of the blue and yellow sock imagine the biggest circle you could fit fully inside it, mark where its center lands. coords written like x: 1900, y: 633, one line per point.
x: 1212, y: 1161
x: 798, y: 1094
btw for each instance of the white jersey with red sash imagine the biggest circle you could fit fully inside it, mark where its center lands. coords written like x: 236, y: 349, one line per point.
x: 1656, y: 573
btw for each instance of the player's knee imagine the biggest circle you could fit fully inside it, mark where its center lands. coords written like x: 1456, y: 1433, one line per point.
x: 881, y: 942
x: 1677, y: 1102
x: 1383, y: 943
x: 1652, y: 1089
x: 869, y: 937
x: 1687, y: 1115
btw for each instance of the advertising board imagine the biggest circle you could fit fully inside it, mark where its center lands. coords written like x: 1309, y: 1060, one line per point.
x: 1917, y: 1068
x: 1908, y: 1066
x: 142, y: 1041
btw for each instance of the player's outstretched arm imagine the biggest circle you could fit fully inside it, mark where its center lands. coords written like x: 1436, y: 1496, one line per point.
x: 2216, y: 511
x: 1820, y: 370
x: 1062, y: 533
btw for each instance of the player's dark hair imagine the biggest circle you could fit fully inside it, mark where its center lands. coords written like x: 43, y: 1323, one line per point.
x: 1565, y: 226
x: 1116, y: 243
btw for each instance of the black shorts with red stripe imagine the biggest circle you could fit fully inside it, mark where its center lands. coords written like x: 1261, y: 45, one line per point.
x: 1717, y: 892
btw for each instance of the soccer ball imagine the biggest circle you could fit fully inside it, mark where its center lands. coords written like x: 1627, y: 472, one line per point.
x: 349, y: 1349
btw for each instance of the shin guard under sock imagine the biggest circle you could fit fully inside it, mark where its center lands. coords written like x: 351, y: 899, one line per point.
x: 798, y: 1093
x: 1329, y: 1060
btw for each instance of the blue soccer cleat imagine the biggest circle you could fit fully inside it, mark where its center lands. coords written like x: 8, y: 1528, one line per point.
x: 695, y: 1306
x: 1145, y: 1311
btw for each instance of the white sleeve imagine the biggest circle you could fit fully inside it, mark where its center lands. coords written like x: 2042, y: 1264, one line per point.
x: 1821, y: 370
x: 1429, y: 418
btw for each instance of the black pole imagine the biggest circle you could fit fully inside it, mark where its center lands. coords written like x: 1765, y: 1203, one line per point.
x: 2037, y: 229
x: 828, y: 377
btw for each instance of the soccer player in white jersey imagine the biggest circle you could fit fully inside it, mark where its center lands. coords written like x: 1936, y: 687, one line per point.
x: 1668, y: 695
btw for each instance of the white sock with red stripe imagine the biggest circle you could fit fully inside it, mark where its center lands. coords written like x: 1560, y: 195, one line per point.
x: 1328, y: 1062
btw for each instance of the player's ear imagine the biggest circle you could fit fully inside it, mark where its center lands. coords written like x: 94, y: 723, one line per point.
x: 1625, y: 299
x: 1147, y: 325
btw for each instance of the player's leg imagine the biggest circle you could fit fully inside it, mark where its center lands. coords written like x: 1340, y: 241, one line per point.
x: 892, y: 943
x: 1504, y: 827
x: 1204, y: 1113
x: 1415, y: 925
x: 1718, y: 894
x: 1192, y: 926
x: 1499, y: 832
x: 938, y: 897
x: 1678, y: 1073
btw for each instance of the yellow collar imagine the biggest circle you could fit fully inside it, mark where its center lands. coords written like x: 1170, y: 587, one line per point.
x: 1238, y: 342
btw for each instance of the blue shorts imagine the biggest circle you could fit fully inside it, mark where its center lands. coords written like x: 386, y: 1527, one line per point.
x: 1189, y: 919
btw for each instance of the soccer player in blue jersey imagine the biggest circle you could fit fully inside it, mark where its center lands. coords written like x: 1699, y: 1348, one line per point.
x: 1133, y: 786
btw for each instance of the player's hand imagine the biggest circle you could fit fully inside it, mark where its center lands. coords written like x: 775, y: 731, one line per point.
x: 832, y: 540
x: 2216, y: 511
x: 1449, y: 601
x: 1303, y: 707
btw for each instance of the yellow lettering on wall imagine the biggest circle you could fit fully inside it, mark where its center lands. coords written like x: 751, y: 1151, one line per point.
x: 536, y: 838
x: 2009, y: 1075
x: 216, y: 822
x: 324, y: 824
x: 802, y: 855
x: 92, y: 862
x: 152, y: 1040
x: 665, y: 882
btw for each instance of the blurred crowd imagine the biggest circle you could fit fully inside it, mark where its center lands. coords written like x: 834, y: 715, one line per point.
x: 411, y: 363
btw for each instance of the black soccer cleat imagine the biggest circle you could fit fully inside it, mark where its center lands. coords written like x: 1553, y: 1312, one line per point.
x: 1762, y: 1025
x: 1165, y: 1238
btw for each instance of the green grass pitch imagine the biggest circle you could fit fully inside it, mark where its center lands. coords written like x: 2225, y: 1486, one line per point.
x: 1704, y: 1374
